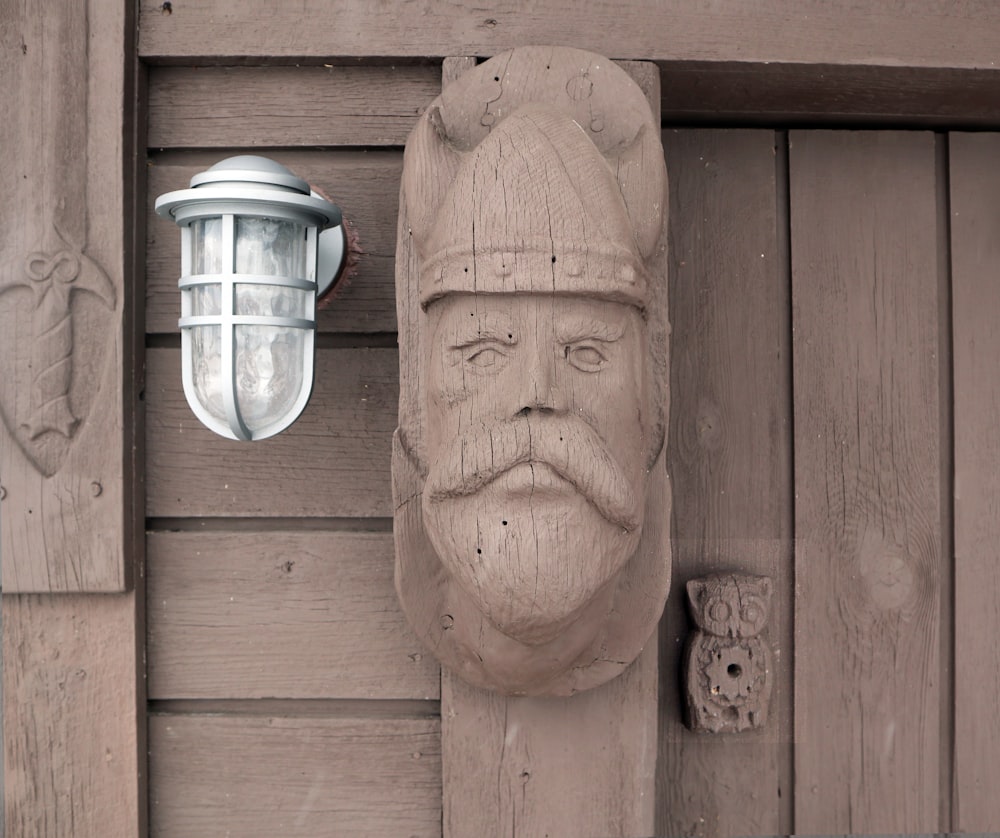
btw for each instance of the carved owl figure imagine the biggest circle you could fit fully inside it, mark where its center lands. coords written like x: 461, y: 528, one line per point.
x: 728, y: 664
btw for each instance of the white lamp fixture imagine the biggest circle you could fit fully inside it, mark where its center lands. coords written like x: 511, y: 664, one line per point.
x: 255, y: 255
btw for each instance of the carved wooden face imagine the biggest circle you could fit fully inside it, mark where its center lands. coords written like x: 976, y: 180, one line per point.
x: 538, y: 442
x: 730, y: 605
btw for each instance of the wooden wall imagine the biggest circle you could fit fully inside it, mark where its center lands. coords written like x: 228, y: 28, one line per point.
x: 812, y: 276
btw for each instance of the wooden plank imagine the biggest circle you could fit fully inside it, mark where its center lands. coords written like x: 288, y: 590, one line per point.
x: 286, y: 615
x: 73, y: 716
x: 867, y: 482
x: 975, y: 248
x: 699, y: 92
x: 365, y: 184
x: 556, y: 766
x: 312, y: 105
x: 271, y: 775
x: 918, y: 33
x: 729, y: 458
x: 334, y: 461
x: 213, y: 107
x: 64, y: 306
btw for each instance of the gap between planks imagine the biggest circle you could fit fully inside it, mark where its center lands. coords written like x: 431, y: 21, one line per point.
x: 947, y: 822
x: 339, y: 340
x: 232, y: 524
x: 783, y: 248
x: 305, y: 708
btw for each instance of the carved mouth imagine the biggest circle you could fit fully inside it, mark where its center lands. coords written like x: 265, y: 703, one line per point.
x: 534, y: 479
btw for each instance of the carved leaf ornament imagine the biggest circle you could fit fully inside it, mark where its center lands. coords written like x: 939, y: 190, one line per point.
x: 44, y: 409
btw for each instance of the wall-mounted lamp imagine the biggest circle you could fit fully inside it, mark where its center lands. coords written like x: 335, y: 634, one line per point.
x: 255, y: 256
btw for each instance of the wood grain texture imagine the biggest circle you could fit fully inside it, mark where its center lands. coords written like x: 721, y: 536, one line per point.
x: 73, y: 716
x: 867, y: 482
x: 558, y: 766
x: 364, y: 184
x: 583, y: 765
x: 211, y: 107
x: 727, y: 93
x: 279, y: 614
x: 919, y: 33
x: 263, y: 776
x: 975, y: 247
x: 333, y: 462
x: 64, y: 429
x: 729, y: 458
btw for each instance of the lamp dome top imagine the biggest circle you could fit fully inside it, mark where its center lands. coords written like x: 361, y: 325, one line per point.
x: 251, y: 168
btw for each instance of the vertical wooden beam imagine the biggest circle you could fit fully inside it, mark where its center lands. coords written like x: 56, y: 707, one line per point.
x: 729, y: 458
x: 74, y: 739
x: 65, y: 435
x: 70, y: 362
x: 543, y: 766
x: 867, y: 481
x: 975, y: 247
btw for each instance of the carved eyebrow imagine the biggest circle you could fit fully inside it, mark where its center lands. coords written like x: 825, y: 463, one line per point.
x: 470, y: 334
x: 572, y: 329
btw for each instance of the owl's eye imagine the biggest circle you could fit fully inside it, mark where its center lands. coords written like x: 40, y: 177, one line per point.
x: 751, y: 613
x: 719, y: 611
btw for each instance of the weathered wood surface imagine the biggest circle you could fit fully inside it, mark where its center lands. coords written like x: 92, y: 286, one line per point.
x: 729, y: 458
x: 364, y: 184
x: 975, y: 247
x: 63, y: 302
x: 544, y: 766
x: 73, y: 716
x: 918, y: 33
x: 327, y: 106
x: 729, y: 93
x: 867, y: 483
x: 264, y: 776
x: 212, y: 107
x: 334, y: 462
x: 279, y: 614
x: 556, y: 766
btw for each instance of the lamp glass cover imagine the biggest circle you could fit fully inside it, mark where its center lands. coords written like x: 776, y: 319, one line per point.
x: 269, y: 358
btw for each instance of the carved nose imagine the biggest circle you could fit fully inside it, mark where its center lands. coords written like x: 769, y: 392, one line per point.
x: 539, y: 391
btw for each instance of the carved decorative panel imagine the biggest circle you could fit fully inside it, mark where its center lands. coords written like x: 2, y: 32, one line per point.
x: 64, y: 436
x: 532, y: 503
x: 49, y: 365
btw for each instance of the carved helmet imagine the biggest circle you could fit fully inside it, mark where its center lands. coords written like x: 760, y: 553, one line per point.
x: 534, y: 208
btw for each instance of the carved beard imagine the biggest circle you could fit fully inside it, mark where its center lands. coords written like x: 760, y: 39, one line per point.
x: 532, y: 518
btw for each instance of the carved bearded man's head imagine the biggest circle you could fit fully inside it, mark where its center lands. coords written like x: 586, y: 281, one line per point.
x: 541, y: 402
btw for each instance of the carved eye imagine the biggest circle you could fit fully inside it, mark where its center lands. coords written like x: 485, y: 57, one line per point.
x: 751, y: 613
x: 719, y: 611
x: 586, y: 357
x: 485, y: 357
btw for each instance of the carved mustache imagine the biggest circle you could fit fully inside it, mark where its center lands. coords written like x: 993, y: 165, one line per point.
x: 569, y: 446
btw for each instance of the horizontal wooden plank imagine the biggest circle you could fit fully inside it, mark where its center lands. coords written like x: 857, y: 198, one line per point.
x: 210, y: 107
x: 268, y: 776
x: 312, y: 105
x: 334, y: 461
x: 366, y: 187
x: 286, y: 615
x: 730, y: 93
x: 920, y: 33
